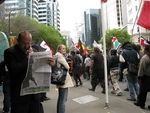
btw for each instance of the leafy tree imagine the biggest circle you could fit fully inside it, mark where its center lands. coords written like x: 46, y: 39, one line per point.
x: 39, y: 31
x: 122, y: 36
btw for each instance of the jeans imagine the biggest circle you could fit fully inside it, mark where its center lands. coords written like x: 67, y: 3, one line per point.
x: 6, y: 101
x: 132, y: 85
x: 62, y: 98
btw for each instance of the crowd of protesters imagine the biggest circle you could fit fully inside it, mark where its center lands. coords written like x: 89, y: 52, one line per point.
x: 88, y: 66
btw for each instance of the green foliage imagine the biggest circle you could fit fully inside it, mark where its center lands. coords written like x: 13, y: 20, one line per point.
x: 48, y: 33
x: 122, y: 35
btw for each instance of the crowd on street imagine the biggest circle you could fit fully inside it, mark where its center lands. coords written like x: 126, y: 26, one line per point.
x: 129, y: 63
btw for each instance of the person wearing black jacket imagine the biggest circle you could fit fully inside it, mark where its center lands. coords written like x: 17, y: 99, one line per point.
x: 16, y: 60
x: 97, y: 70
x: 129, y: 55
x: 113, y: 66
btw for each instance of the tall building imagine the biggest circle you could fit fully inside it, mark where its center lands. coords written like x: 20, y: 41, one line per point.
x: 32, y: 9
x: 49, y: 13
x: 43, y: 11
x: 92, y: 26
x: 123, y: 14
x: 10, y: 6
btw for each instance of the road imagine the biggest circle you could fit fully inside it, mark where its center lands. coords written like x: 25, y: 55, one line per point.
x: 81, y: 100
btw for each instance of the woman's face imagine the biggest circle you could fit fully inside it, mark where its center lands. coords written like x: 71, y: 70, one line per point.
x: 62, y: 50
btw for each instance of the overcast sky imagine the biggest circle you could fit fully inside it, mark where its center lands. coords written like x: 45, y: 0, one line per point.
x: 71, y: 12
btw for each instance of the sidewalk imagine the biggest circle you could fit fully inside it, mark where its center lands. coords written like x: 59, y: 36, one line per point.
x: 81, y: 100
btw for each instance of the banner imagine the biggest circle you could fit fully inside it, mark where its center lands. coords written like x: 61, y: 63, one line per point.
x: 144, y: 18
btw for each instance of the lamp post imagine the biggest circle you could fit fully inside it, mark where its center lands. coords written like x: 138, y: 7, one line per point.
x: 9, y: 18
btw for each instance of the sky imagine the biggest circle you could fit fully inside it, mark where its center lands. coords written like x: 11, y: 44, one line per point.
x: 71, y: 13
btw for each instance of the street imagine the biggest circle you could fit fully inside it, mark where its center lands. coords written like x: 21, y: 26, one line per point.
x: 81, y: 100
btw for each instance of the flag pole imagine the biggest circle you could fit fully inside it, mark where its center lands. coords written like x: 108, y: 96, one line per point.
x: 136, y: 18
x: 105, y: 58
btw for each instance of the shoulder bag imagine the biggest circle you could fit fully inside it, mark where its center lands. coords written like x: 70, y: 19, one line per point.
x: 132, y: 68
x: 58, y: 75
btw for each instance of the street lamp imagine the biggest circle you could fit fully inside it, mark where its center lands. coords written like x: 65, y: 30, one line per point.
x: 9, y: 18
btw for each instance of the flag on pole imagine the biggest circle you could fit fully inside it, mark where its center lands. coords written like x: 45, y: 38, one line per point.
x: 115, y: 43
x: 74, y: 46
x: 143, y: 41
x: 144, y: 18
x: 104, y: 1
x: 95, y: 44
x: 81, y: 47
x: 44, y: 46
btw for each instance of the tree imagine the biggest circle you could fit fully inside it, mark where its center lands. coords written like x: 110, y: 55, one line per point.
x: 48, y: 33
x: 122, y: 35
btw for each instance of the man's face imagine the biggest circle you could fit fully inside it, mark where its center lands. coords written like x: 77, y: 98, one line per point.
x: 25, y: 42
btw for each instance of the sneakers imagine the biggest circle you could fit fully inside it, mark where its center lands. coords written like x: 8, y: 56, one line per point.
x: 113, y: 91
x: 76, y: 85
x: 131, y: 99
x: 119, y: 94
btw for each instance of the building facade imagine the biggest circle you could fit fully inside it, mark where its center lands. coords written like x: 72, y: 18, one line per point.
x: 92, y: 26
x: 42, y: 11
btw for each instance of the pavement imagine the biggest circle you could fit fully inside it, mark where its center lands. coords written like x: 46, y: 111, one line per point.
x: 81, y: 100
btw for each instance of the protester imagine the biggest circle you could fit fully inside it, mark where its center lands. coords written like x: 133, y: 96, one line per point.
x: 87, y: 63
x: 144, y: 77
x: 77, y: 69
x: 16, y: 60
x: 70, y: 62
x: 141, y: 53
x: 82, y: 62
x: 97, y: 70
x: 113, y: 66
x: 129, y: 55
x: 63, y: 89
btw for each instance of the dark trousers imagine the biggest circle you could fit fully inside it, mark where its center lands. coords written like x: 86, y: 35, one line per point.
x: 98, y: 77
x: 144, y: 89
x: 77, y: 78
x: 6, y: 100
x: 87, y: 68
x: 32, y: 105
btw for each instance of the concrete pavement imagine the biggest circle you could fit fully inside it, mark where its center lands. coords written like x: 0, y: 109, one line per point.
x: 81, y: 100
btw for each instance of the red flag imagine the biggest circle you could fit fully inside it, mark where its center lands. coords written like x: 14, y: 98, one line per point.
x: 143, y: 41
x: 104, y: 1
x: 144, y: 18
